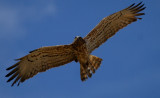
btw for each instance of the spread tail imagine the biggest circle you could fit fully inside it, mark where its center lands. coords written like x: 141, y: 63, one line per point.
x: 89, y: 68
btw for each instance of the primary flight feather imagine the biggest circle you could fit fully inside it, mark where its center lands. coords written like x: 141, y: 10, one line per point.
x: 44, y: 58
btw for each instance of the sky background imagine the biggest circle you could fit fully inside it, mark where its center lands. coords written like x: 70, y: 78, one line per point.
x: 131, y: 58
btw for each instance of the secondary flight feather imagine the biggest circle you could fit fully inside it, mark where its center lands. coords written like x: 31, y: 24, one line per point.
x: 80, y: 50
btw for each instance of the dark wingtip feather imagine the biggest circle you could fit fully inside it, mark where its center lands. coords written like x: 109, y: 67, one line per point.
x: 136, y: 5
x: 11, y: 78
x: 139, y: 4
x: 8, y: 80
x: 143, y: 8
x: 12, y: 66
x: 18, y: 83
x: 16, y: 80
x: 138, y: 10
x: 12, y: 72
x: 7, y: 75
x: 139, y: 14
x: 9, y: 68
x: 12, y: 85
x: 131, y: 5
x: 16, y: 59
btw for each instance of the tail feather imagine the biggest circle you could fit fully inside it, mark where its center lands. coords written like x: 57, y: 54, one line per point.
x: 95, y: 61
x: 89, y: 68
x: 83, y: 73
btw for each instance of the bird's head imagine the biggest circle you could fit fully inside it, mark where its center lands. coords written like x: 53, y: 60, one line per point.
x: 79, y: 40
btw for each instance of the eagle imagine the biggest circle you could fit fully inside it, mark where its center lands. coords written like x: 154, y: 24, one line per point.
x: 44, y: 58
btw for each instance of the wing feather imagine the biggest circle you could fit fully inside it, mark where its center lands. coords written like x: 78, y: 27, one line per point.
x: 111, y: 24
x: 40, y: 60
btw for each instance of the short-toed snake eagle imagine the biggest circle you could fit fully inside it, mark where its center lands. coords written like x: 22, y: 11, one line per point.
x: 80, y: 50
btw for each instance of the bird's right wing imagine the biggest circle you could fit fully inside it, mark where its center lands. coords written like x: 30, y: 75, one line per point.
x: 111, y: 24
x: 40, y: 60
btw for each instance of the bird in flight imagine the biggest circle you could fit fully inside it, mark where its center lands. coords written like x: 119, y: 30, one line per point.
x: 44, y: 58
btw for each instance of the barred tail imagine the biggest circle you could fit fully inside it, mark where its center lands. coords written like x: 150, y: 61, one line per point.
x: 92, y: 65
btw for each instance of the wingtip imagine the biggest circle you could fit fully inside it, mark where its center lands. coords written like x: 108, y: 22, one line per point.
x: 16, y: 59
x: 131, y: 5
x: 141, y: 2
x: 12, y: 85
x: 139, y: 18
x: 18, y: 83
x: 143, y: 14
x: 7, y: 69
x: 7, y: 75
x: 8, y: 80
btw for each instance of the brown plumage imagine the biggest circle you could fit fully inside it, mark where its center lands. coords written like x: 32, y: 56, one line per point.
x: 80, y: 50
x: 111, y: 24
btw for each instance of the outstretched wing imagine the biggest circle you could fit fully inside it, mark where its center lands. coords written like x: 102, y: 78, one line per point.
x: 40, y: 60
x: 111, y: 24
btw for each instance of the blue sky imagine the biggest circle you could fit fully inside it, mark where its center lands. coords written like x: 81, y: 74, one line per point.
x: 131, y: 58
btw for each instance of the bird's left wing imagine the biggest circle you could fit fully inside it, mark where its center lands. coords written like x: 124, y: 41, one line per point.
x: 111, y: 24
x: 40, y: 60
